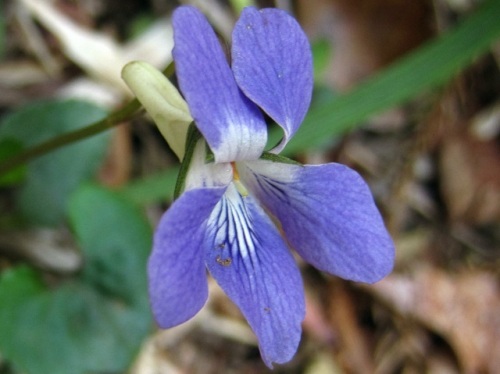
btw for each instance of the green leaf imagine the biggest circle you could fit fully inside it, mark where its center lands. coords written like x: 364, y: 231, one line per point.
x: 427, y: 67
x: 8, y: 148
x: 50, y: 179
x: 96, y: 322
x: 113, y: 233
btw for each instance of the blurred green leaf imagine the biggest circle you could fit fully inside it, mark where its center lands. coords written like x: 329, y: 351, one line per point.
x: 157, y: 187
x: 8, y: 148
x: 238, y: 5
x: 96, y: 322
x: 112, y: 233
x: 427, y: 67
x: 50, y: 179
x: 141, y: 23
x: 321, y: 52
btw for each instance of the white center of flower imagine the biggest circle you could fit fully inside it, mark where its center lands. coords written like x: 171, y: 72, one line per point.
x: 237, y: 182
x: 232, y: 227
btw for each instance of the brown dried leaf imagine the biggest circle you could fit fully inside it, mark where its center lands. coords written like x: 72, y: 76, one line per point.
x: 355, y: 351
x: 21, y: 73
x: 117, y: 166
x: 99, y: 55
x: 470, y: 178
x: 462, y: 308
x: 366, y: 34
x: 315, y: 323
x: 49, y: 249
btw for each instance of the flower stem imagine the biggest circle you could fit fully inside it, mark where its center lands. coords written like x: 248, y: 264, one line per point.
x: 114, y: 119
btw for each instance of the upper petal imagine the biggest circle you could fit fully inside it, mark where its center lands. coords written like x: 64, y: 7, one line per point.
x: 247, y: 257
x: 176, y: 269
x: 272, y: 63
x: 328, y: 215
x: 232, y: 125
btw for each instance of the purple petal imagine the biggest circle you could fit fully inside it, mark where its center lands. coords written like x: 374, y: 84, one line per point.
x: 232, y: 125
x: 176, y: 269
x: 272, y: 63
x: 328, y: 215
x: 248, y: 258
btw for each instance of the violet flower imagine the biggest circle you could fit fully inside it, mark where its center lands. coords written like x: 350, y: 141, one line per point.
x: 226, y: 219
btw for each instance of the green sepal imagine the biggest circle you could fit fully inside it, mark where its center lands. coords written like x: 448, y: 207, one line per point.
x: 192, y: 138
x: 273, y: 157
x: 209, y: 157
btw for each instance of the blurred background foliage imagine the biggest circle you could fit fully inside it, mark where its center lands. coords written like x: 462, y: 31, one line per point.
x: 407, y: 93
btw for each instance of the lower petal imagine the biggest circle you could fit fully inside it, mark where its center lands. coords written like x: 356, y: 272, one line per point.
x: 249, y: 260
x: 176, y: 269
x: 328, y: 215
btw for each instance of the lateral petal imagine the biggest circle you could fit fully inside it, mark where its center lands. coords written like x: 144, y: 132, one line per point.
x: 176, y: 268
x: 272, y: 63
x: 328, y: 215
x: 249, y: 260
x: 232, y: 125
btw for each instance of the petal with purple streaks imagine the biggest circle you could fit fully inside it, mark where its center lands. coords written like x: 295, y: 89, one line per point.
x: 249, y: 260
x: 328, y: 216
